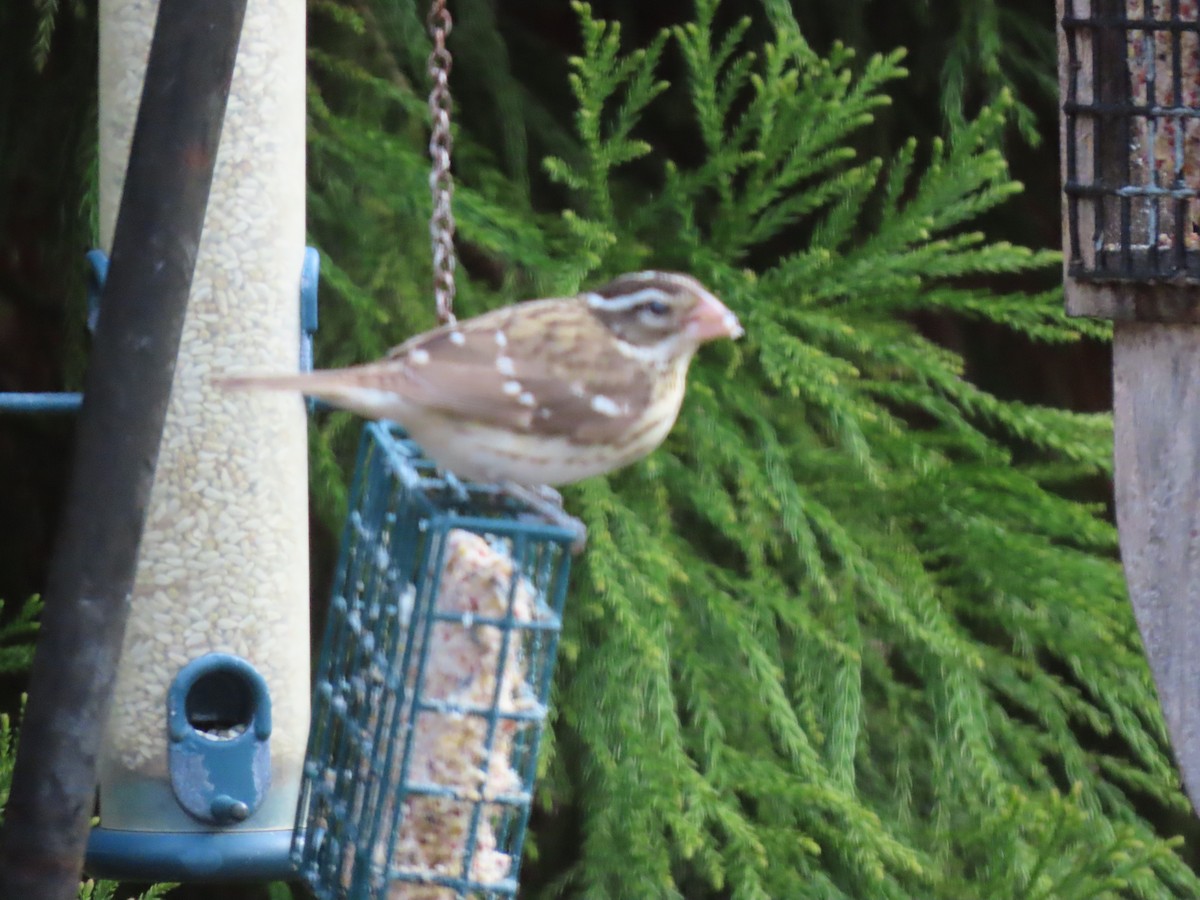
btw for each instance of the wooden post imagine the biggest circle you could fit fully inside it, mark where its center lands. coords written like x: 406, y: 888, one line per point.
x: 1156, y: 409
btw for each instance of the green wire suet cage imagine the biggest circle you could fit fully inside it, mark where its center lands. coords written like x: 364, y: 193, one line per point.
x: 432, y: 686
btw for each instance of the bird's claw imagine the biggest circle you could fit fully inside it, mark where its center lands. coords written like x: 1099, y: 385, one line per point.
x: 579, y: 542
x: 550, y: 495
x: 546, y: 503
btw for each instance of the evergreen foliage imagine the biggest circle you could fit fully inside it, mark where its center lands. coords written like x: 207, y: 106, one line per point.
x: 965, y: 52
x: 107, y: 890
x: 846, y: 635
x: 16, y: 636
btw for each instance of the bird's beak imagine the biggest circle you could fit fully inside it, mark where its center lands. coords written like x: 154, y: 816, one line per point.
x: 711, y: 319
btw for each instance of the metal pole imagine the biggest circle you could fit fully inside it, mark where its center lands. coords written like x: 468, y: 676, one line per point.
x: 126, y: 389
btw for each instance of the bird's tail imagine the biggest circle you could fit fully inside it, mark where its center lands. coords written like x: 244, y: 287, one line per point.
x: 331, y: 386
x: 306, y: 382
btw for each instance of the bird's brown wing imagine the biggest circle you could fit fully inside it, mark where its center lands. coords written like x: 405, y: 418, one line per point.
x: 554, y: 371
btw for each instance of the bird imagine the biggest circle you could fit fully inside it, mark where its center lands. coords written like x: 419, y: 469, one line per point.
x: 538, y: 393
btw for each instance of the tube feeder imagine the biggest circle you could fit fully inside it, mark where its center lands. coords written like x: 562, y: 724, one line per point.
x: 201, y: 764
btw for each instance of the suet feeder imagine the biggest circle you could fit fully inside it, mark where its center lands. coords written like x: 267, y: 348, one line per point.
x: 1131, y: 158
x: 432, y: 688
x: 1129, y: 74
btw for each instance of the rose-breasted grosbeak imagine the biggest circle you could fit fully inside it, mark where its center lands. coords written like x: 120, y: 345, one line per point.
x: 545, y: 392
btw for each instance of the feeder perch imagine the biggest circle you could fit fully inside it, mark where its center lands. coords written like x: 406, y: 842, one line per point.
x: 1129, y: 73
x: 432, y: 687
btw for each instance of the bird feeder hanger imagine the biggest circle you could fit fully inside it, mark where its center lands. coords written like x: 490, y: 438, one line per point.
x: 1129, y: 73
x: 441, y: 181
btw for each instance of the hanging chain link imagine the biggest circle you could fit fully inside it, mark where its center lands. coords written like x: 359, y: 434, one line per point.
x: 441, y: 182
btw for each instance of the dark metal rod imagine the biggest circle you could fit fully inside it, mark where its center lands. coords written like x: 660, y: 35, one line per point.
x: 1100, y: 209
x: 1071, y: 243
x: 127, y: 387
x: 1121, y: 20
x: 1179, y: 207
x: 1117, y: 109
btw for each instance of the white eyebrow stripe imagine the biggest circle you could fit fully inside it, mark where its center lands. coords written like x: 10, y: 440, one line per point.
x: 627, y: 301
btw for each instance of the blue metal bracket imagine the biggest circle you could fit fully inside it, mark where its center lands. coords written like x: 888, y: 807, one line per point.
x: 310, y: 275
x: 97, y: 261
x: 219, y: 728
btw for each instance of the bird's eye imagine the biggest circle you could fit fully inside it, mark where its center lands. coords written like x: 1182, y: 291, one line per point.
x: 656, y: 308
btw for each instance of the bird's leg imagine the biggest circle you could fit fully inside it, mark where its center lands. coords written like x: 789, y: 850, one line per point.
x: 549, y: 494
x: 547, y: 503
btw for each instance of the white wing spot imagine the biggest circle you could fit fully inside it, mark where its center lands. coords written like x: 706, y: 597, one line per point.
x: 512, y: 388
x: 457, y: 338
x: 504, y: 365
x: 501, y: 339
x: 606, y: 406
x: 418, y: 357
x: 526, y: 399
x: 577, y: 389
x: 544, y: 412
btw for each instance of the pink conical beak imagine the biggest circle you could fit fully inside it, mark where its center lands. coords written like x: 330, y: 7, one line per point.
x: 712, y: 319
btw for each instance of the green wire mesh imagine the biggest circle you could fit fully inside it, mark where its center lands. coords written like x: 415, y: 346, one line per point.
x: 432, y: 686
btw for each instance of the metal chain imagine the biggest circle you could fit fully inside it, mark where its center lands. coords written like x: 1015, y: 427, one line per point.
x: 441, y: 182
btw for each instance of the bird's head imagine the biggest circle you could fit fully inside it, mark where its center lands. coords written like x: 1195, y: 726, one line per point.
x: 666, y: 314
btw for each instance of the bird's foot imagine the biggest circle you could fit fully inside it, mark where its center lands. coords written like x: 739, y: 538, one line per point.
x: 547, y: 504
x: 549, y: 494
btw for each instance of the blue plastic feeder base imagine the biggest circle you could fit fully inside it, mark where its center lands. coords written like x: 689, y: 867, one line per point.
x: 190, y: 856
